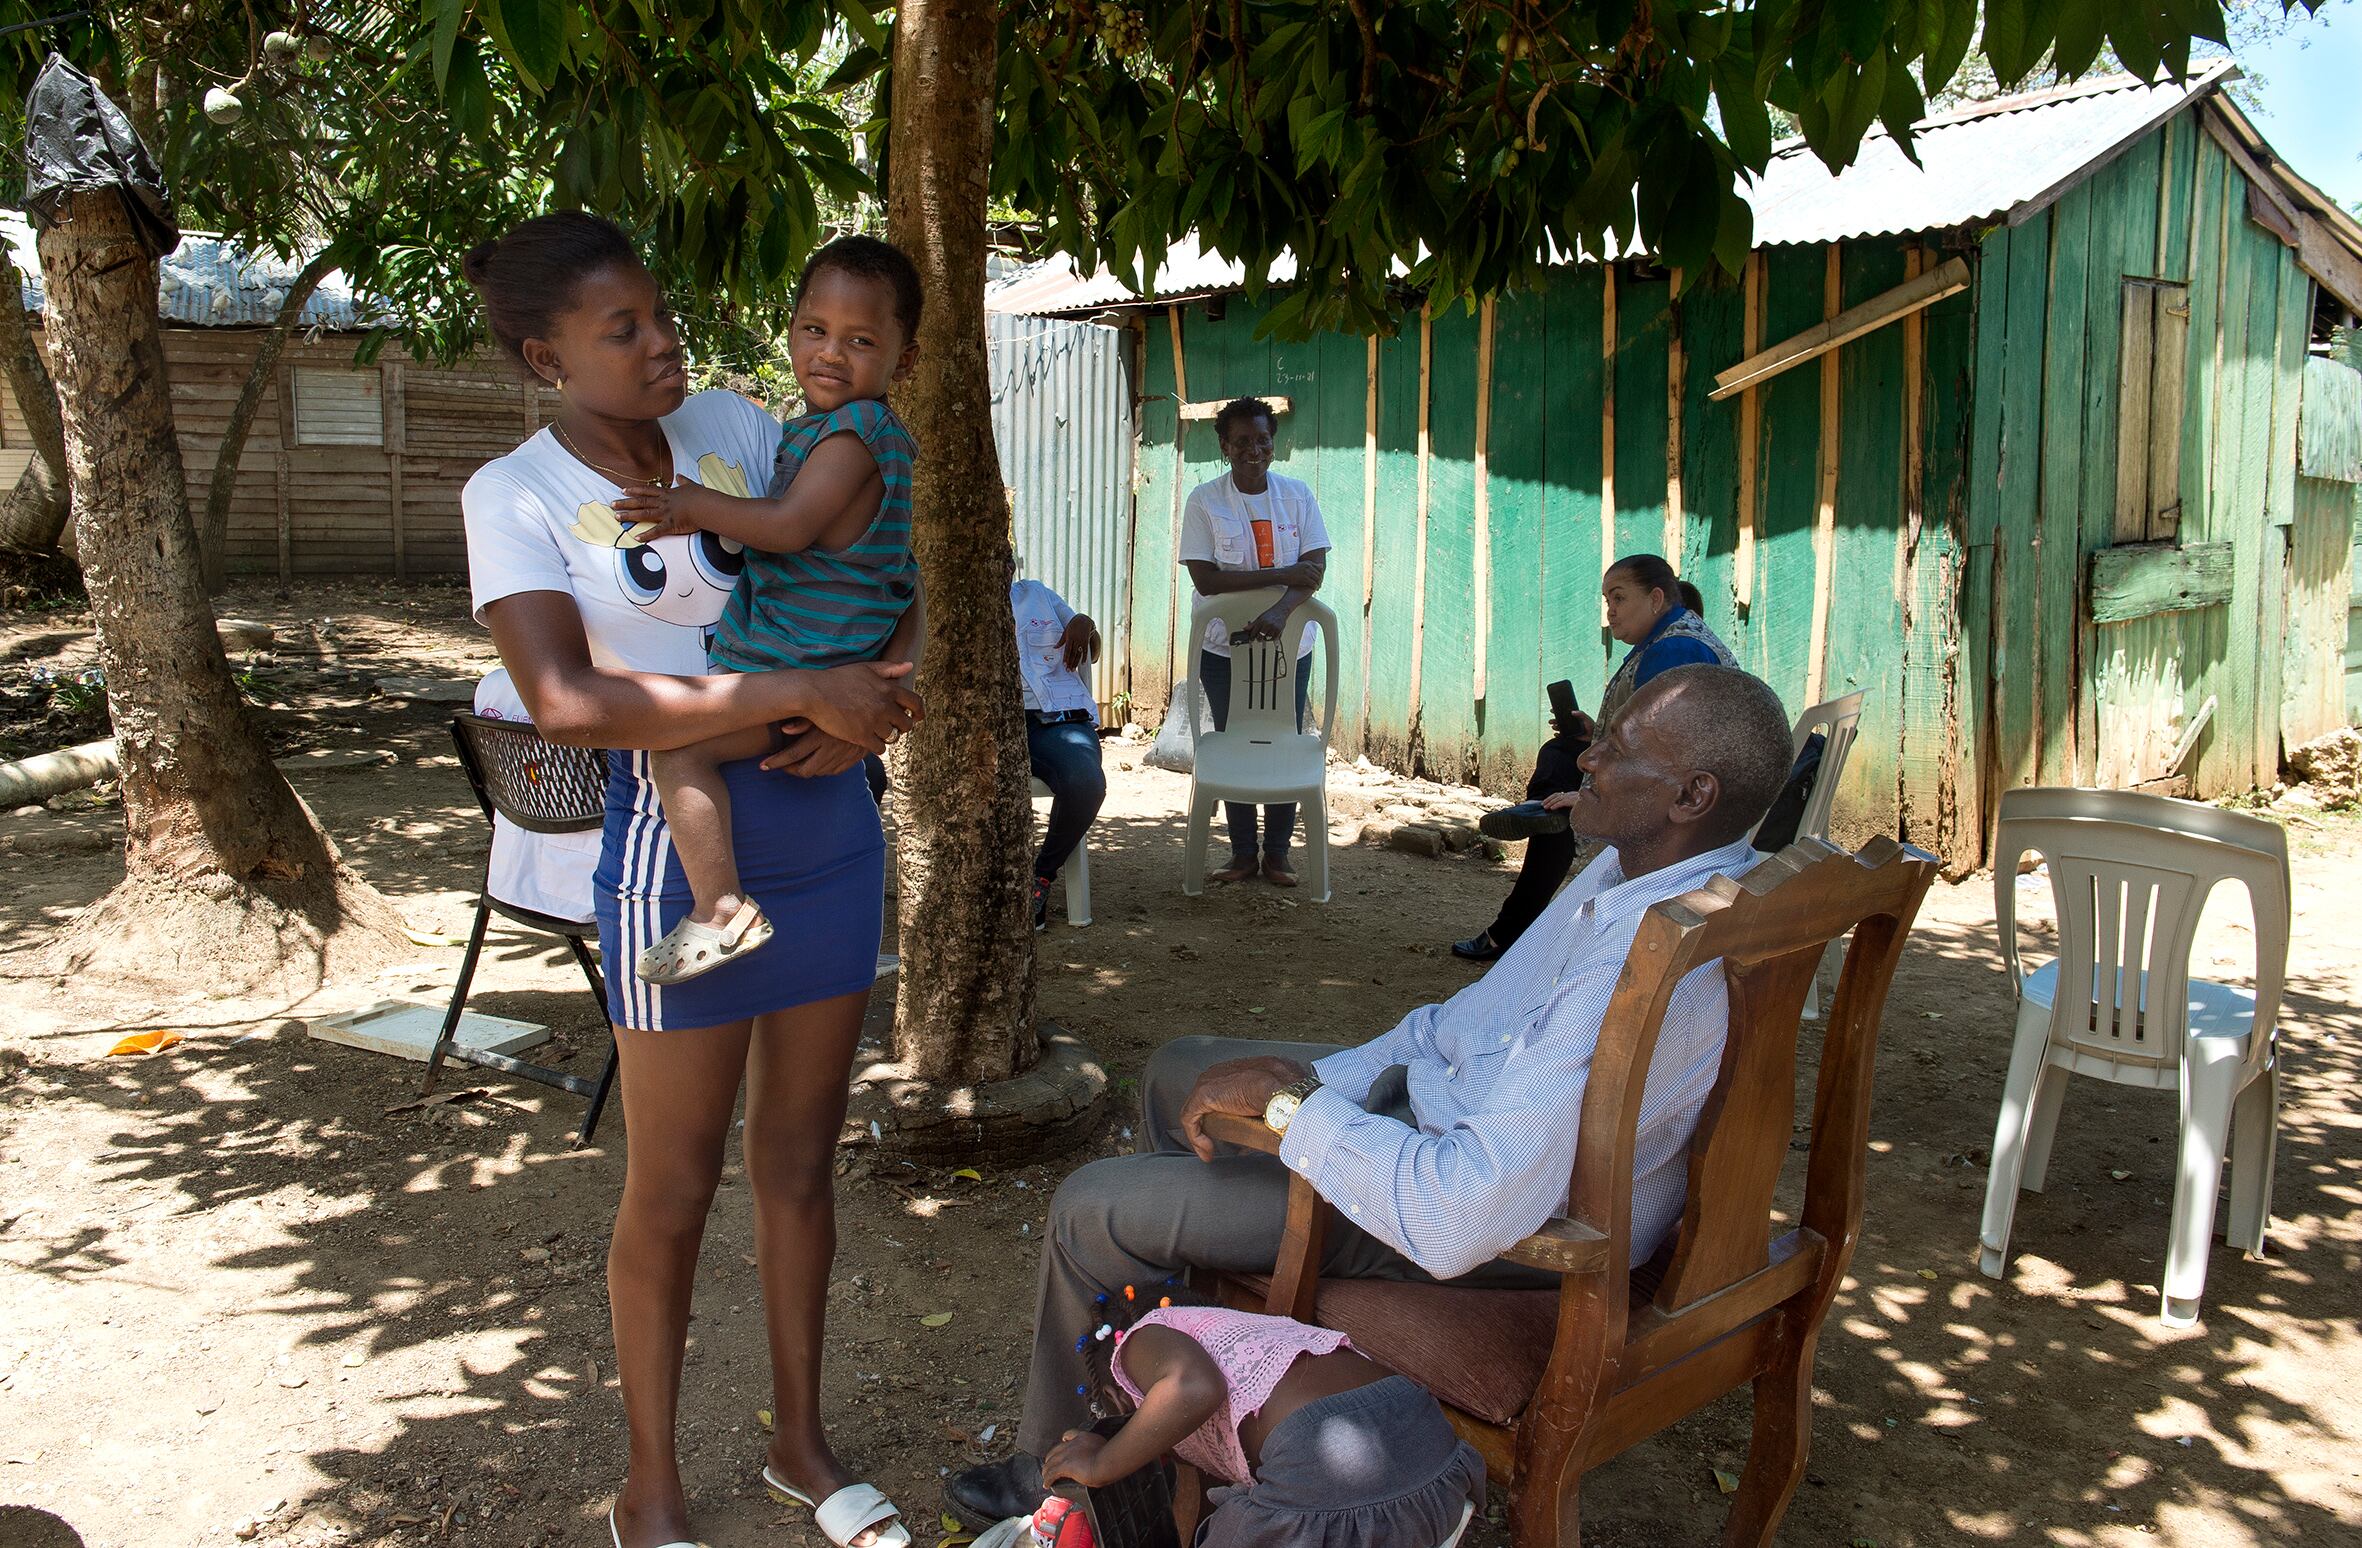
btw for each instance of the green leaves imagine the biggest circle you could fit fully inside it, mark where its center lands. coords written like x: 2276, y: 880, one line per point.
x: 532, y: 33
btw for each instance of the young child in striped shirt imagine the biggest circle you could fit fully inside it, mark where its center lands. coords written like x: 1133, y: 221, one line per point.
x: 828, y: 569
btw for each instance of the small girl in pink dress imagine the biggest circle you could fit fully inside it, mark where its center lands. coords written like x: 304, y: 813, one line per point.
x: 1315, y: 1446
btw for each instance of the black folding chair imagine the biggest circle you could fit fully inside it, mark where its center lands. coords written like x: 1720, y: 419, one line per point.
x: 542, y: 788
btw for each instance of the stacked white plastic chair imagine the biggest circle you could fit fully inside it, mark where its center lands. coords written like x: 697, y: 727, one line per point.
x: 1839, y: 723
x: 2130, y: 875
x: 1076, y: 873
x: 1260, y: 755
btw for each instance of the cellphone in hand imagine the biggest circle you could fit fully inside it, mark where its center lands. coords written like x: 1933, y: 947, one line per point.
x: 1562, y: 700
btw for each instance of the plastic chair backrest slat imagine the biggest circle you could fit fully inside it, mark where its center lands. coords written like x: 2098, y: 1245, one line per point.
x: 538, y: 785
x: 1840, y: 722
x: 2130, y: 875
x: 1263, y: 672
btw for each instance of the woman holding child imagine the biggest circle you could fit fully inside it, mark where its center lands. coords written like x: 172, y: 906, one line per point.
x: 741, y: 877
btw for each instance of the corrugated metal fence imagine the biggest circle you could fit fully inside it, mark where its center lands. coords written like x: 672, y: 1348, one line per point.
x: 1062, y: 418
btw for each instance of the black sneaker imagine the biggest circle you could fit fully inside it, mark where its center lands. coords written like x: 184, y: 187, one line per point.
x: 1041, y: 904
x: 1479, y: 947
x: 982, y: 1497
x: 1521, y: 821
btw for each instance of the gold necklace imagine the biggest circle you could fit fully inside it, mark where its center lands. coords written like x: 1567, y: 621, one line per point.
x: 622, y: 480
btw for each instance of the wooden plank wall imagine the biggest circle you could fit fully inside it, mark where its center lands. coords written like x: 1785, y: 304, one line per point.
x: 2081, y: 703
x: 1575, y: 424
x: 2321, y: 598
x: 343, y: 505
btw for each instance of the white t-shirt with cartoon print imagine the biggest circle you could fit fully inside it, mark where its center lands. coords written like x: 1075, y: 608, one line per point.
x: 539, y: 520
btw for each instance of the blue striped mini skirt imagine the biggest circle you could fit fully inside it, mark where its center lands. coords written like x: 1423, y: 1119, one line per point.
x: 810, y: 851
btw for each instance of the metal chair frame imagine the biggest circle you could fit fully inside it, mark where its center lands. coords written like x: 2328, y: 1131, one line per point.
x: 570, y: 811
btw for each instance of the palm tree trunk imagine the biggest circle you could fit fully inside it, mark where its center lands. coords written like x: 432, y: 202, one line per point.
x: 964, y: 1013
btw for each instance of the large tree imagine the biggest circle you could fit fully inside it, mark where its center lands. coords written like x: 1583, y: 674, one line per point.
x: 226, y: 877
x: 320, y: 136
x: 1460, y: 144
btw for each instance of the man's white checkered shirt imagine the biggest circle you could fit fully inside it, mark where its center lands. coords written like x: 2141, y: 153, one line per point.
x: 1496, y: 1084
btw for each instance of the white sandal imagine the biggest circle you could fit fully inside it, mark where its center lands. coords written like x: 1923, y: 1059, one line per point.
x: 616, y: 1533
x: 690, y: 948
x: 849, y: 1512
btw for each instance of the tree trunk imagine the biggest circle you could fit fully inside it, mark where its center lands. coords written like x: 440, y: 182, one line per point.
x: 33, y: 515
x: 964, y: 1009
x: 225, y: 877
x: 213, y: 530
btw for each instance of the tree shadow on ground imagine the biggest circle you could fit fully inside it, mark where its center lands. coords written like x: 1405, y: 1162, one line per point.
x: 435, y: 1366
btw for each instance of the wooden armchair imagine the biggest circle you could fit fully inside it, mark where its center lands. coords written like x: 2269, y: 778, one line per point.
x: 1550, y: 1383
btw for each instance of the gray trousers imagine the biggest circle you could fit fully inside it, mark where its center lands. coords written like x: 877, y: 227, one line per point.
x: 1134, y: 1220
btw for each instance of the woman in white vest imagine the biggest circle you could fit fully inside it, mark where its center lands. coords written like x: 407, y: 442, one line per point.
x: 1054, y: 644
x: 1248, y: 530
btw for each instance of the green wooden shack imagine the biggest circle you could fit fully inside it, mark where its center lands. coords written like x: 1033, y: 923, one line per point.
x: 2008, y: 438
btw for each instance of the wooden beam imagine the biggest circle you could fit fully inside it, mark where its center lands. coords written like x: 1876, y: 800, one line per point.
x: 2141, y: 580
x: 284, y: 473
x: 2281, y: 221
x: 1750, y: 441
x: 1419, y: 562
x: 1369, y: 523
x: 1914, y: 427
x: 1676, y: 372
x: 2320, y: 254
x: 1825, y: 509
x: 1280, y: 403
x: 2169, y: 343
x: 1185, y: 652
x: 1607, y: 428
x: 1948, y: 278
x: 394, y: 433
x: 2136, y: 374
x: 1486, y: 318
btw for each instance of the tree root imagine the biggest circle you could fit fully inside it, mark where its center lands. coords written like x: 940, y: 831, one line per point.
x: 277, y: 936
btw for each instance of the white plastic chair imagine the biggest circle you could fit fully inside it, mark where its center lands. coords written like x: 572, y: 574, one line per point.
x: 2130, y: 875
x: 1467, y: 1512
x: 1076, y: 873
x: 1261, y: 756
x: 1839, y: 723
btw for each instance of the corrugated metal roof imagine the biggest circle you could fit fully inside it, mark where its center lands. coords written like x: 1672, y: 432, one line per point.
x: 1188, y: 270
x: 207, y: 282
x: 1999, y: 159
x: 1975, y: 166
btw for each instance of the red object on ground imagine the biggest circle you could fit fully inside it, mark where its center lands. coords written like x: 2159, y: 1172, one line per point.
x: 1060, y: 1523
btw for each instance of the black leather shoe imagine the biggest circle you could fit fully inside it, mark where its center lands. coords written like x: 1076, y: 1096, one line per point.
x: 1521, y: 821
x: 1478, y: 947
x: 982, y: 1497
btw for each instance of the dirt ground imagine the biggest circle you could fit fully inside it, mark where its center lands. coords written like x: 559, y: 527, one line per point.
x: 245, y: 1293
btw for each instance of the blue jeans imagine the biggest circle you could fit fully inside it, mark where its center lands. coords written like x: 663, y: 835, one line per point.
x: 1279, y: 818
x: 1066, y: 758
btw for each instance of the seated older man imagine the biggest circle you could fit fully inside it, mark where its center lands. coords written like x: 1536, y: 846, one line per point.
x: 1446, y: 1140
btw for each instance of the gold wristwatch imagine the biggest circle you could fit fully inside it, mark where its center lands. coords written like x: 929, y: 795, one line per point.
x: 1280, y: 1111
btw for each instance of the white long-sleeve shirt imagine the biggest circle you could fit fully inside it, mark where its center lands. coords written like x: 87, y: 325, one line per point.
x: 1496, y: 1083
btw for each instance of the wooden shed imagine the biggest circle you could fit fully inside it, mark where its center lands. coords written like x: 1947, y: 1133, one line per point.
x: 2007, y: 438
x: 349, y: 469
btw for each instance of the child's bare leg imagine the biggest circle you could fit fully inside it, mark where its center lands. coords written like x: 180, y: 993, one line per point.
x: 697, y: 809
